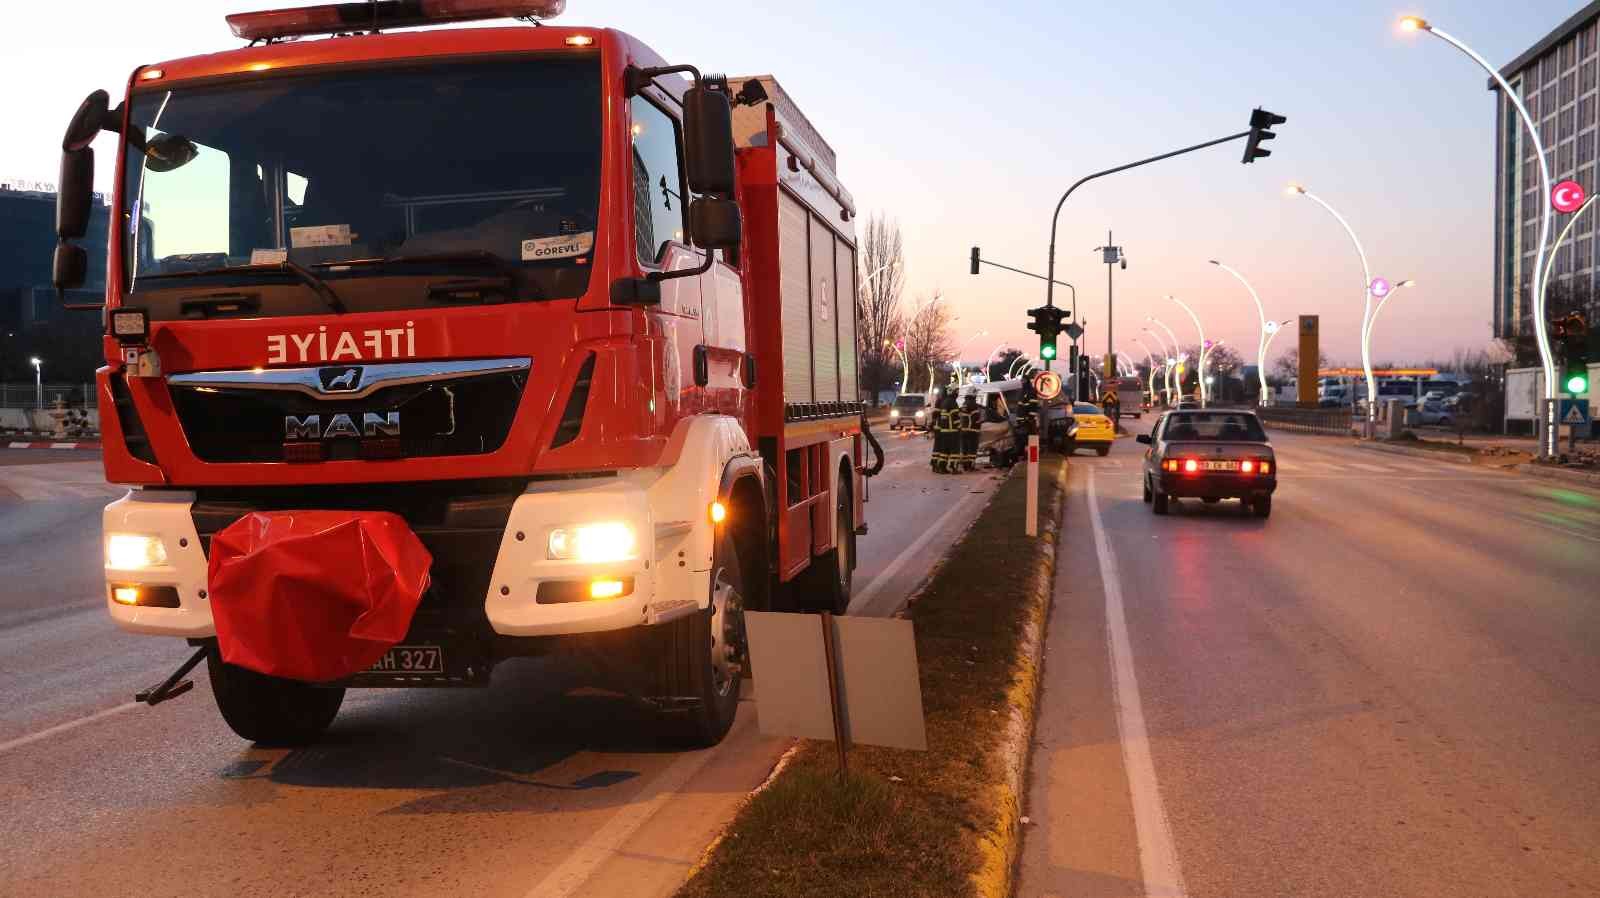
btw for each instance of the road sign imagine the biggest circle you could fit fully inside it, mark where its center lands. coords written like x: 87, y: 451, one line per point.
x: 1568, y: 196
x: 852, y: 679
x: 1047, y: 384
x: 1074, y: 330
x: 1574, y: 412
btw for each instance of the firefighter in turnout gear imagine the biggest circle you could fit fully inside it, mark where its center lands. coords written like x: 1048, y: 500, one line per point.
x: 971, y: 423
x: 946, y: 441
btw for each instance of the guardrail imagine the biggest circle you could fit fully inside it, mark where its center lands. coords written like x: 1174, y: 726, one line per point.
x: 1334, y: 421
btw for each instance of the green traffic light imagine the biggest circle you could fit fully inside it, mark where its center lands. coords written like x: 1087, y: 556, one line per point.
x: 1047, y: 351
x: 1577, y: 383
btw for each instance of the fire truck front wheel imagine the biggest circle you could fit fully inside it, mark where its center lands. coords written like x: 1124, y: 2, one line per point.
x: 703, y: 656
x: 270, y: 710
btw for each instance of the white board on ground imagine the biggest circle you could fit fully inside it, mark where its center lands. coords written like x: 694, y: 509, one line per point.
x: 880, y: 691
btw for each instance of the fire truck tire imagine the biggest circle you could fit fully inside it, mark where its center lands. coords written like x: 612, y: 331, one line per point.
x: 269, y: 710
x: 703, y: 656
x: 827, y: 583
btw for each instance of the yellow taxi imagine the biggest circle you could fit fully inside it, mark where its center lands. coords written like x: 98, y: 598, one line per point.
x: 1092, y: 429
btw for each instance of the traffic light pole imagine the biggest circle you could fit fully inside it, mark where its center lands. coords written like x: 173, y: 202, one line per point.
x: 1055, y: 220
x: 977, y: 259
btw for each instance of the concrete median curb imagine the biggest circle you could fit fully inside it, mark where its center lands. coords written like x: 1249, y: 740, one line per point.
x: 1543, y: 472
x: 942, y: 822
x: 1003, y: 845
x: 46, y: 444
x: 1444, y: 455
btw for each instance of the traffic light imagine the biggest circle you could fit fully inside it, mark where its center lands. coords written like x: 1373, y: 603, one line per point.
x: 1047, y: 323
x: 975, y: 260
x: 1260, y: 121
x: 1573, y: 332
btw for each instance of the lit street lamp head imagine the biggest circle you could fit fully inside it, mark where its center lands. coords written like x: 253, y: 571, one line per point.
x: 1414, y: 23
x: 36, y: 361
x: 1294, y: 190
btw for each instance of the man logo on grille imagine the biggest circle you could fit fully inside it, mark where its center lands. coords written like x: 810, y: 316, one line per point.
x: 339, y: 380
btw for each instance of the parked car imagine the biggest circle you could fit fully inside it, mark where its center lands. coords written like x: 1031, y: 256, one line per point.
x: 909, y: 412
x: 1210, y: 455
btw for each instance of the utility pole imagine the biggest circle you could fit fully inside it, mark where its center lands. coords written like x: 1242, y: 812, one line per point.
x: 1112, y: 255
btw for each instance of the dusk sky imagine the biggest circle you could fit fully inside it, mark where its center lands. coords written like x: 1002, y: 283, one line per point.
x: 965, y: 122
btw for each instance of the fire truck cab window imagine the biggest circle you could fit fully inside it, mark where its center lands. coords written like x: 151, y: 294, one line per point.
x: 658, y: 200
x: 448, y: 160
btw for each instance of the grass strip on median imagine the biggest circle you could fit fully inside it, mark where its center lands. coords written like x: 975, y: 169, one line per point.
x: 942, y: 822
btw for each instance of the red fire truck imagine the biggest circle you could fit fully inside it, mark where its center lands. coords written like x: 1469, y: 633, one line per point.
x: 582, y: 319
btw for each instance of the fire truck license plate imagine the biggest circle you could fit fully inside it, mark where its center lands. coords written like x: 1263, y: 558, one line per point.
x: 410, y: 660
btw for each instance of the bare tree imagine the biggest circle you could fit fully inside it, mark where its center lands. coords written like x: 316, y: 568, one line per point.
x: 1287, y: 366
x: 878, y: 302
x: 928, y: 339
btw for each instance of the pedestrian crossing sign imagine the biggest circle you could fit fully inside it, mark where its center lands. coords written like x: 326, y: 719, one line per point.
x: 1575, y: 412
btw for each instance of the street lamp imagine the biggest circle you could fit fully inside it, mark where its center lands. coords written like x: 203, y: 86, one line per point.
x: 1555, y: 248
x: 1540, y: 284
x: 1204, y: 393
x: 1366, y: 335
x: 905, y: 363
x: 1149, y: 358
x: 1171, y: 356
x: 38, y: 381
x: 1261, y: 345
x: 960, y: 369
x: 990, y: 358
x: 1273, y: 329
x: 1366, y: 293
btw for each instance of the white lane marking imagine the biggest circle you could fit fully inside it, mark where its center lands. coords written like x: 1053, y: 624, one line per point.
x: 59, y: 728
x: 1377, y: 469
x: 1158, y: 856
x: 603, y: 845
x: 863, y: 597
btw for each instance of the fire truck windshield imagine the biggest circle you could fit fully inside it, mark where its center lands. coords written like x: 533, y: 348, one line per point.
x: 434, y: 165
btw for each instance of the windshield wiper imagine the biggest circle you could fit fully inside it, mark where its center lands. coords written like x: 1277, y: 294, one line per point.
x: 474, y: 290
x: 481, y: 257
x: 317, y: 284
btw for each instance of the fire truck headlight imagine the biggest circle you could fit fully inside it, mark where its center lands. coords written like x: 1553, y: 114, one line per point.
x: 919, y: 413
x: 134, y: 551
x: 894, y: 413
x: 605, y: 541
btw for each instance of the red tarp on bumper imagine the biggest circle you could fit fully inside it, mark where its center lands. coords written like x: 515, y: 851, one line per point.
x: 314, y: 595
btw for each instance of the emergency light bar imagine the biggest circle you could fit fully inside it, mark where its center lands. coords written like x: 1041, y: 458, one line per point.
x: 273, y: 24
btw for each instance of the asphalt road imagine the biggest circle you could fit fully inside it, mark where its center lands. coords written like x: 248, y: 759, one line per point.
x: 1390, y: 687
x: 535, y: 786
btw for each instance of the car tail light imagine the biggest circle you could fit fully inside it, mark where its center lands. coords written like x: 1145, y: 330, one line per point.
x: 1190, y: 466
x: 1265, y: 467
x: 1247, y: 467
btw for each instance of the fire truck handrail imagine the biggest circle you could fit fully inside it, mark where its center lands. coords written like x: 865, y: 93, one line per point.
x: 371, y: 378
x: 799, y: 158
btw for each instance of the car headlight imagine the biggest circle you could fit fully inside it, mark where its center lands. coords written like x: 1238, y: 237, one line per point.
x: 919, y: 414
x: 894, y: 413
x: 134, y: 551
x: 605, y: 541
x: 1072, y: 431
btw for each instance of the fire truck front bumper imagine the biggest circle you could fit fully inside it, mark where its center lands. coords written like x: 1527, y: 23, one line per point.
x: 584, y: 556
x: 155, y: 566
x: 580, y: 555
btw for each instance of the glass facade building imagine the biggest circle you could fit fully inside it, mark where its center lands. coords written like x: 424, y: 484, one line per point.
x: 1556, y: 79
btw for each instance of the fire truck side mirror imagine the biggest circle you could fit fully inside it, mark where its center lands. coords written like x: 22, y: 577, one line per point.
x: 70, y: 266
x: 714, y: 223
x: 75, y: 193
x: 708, y: 138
